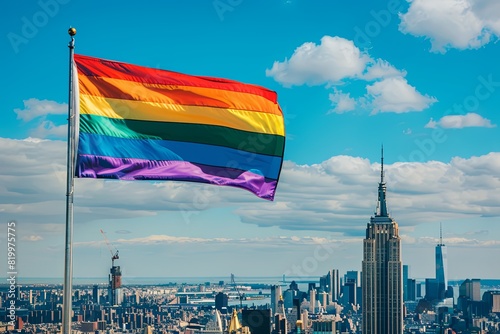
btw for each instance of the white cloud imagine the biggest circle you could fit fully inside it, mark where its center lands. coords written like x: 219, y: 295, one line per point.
x: 343, y: 102
x: 461, y: 24
x: 460, y: 121
x: 396, y: 95
x: 335, y: 59
x: 47, y: 129
x: 325, y: 201
x: 380, y: 69
x: 34, y: 108
x: 337, y: 195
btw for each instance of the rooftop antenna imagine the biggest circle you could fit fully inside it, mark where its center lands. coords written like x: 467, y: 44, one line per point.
x: 440, y: 234
x: 381, y: 202
x: 382, y: 167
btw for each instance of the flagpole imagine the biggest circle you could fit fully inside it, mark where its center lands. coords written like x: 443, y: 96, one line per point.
x: 68, y: 253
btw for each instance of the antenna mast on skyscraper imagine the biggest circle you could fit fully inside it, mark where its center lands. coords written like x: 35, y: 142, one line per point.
x: 382, y: 167
x: 441, y: 234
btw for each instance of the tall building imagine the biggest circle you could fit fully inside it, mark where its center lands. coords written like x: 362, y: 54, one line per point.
x: 334, y: 285
x: 471, y: 289
x: 441, y: 267
x: 259, y: 321
x: 221, y: 301
x: 353, y: 276
x: 280, y: 321
x: 115, y: 283
x: 323, y: 282
x: 95, y: 294
x: 492, y: 301
x: 312, y: 300
x: 349, y: 292
x: 382, y: 281
x: 411, y: 289
x: 431, y: 290
x: 275, y: 297
x: 405, y: 282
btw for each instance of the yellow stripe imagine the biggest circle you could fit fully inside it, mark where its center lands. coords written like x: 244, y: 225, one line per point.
x: 175, y: 94
x: 163, y: 112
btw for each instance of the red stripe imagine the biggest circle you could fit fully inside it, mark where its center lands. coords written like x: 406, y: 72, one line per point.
x: 90, y: 66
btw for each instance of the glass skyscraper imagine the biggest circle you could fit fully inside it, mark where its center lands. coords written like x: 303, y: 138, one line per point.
x: 441, y: 268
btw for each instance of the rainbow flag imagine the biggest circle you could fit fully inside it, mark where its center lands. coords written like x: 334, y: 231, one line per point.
x: 139, y: 123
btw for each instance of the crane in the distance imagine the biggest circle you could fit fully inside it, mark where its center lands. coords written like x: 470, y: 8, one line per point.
x: 240, y: 296
x: 114, y: 255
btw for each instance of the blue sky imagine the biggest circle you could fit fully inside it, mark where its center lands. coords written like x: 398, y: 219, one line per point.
x: 420, y: 77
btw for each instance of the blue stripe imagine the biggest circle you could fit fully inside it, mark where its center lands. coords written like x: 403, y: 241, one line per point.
x: 167, y: 150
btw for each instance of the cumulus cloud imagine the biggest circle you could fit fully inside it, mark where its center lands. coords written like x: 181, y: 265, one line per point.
x: 331, y: 61
x: 380, y: 69
x: 342, y: 102
x: 460, y: 121
x: 337, y: 61
x: 396, y: 95
x: 47, y: 129
x: 34, y: 108
x: 461, y: 24
x: 337, y: 195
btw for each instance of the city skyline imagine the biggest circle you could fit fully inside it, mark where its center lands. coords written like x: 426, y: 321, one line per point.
x: 349, y: 78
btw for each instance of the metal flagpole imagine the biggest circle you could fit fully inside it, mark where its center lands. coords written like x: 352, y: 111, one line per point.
x: 68, y: 254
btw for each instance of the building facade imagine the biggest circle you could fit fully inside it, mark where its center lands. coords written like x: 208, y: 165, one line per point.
x: 382, y: 281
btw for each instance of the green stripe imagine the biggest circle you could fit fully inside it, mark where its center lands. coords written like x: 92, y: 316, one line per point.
x: 258, y: 143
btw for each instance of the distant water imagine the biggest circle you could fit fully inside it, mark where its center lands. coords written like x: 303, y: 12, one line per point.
x: 168, y: 280
x: 485, y: 283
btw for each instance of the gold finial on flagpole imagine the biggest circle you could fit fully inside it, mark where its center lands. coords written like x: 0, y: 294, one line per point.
x: 72, y: 31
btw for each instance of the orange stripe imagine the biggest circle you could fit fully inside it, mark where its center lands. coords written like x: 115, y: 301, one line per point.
x: 175, y: 94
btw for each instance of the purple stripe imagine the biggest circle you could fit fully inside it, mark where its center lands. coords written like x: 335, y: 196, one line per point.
x: 91, y: 166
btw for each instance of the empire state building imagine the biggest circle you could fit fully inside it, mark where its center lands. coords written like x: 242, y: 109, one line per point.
x: 382, y: 286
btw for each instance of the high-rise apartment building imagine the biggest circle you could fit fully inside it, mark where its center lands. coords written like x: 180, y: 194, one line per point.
x: 312, y: 300
x: 382, y: 282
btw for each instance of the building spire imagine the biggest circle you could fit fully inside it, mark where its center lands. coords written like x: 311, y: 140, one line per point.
x: 381, y: 205
x: 382, y: 166
x: 441, y: 234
